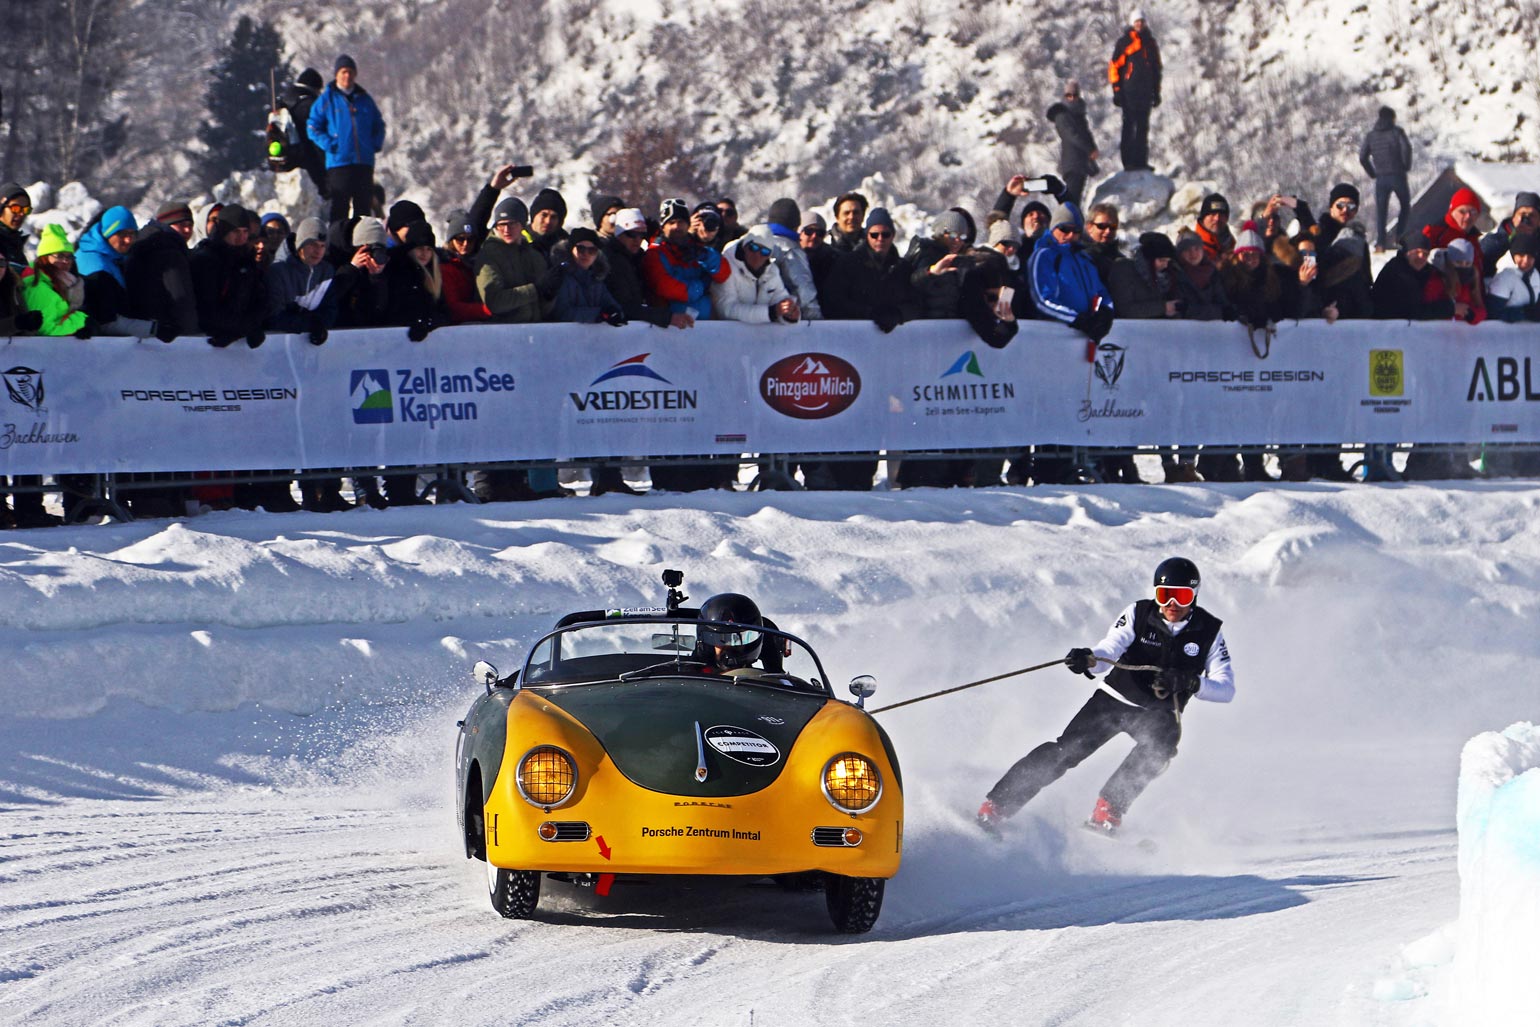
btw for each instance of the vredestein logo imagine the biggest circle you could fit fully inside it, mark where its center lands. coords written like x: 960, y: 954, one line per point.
x: 644, y: 397
x: 372, y: 401
x: 960, y: 388
x: 809, y: 386
x: 1513, y: 382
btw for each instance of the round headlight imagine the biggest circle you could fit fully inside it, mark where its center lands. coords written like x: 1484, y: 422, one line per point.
x: 547, y: 776
x: 851, y: 782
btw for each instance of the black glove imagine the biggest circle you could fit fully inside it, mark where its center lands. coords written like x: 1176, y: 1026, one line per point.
x: 1079, y: 662
x: 1181, y: 683
x: 221, y: 341
x: 317, y: 330
x: 615, y: 318
x: 887, y: 320
x: 1055, y: 187
x: 165, y: 331
x: 550, y: 282
x: 85, y: 331
x: 255, y: 337
x: 1117, y: 99
x: 419, y: 330
x: 29, y: 320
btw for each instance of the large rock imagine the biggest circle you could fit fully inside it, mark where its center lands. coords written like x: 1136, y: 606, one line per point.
x: 1141, y: 196
x: 1186, y: 200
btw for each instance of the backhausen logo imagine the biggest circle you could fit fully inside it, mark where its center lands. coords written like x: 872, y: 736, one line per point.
x: 1109, y: 364
x: 25, y: 386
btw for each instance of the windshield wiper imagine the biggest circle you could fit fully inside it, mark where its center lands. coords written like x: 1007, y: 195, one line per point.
x: 675, y: 664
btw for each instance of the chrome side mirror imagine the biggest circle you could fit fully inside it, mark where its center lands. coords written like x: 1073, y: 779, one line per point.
x: 863, y: 687
x: 485, y: 675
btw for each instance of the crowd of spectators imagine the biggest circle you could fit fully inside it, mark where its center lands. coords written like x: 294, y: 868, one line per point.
x: 501, y: 260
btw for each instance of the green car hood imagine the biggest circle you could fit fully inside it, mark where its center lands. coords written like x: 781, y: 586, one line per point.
x: 648, y: 729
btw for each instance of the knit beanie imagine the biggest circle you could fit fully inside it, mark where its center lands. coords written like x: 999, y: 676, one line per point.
x: 1343, y: 191
x: 1461, y: 252
x: 173, y: 211
x: 673, y: 210
x: 344, y: 61
x: 603, y: 205
x: 1248, y: 238
x: 511, y: 209
x: 949, y: 222
x: 310, y: 79
x: 1069, y: 216
x: 310, y: 230
x: 1214, y: 203
x: 549, y: 199
x: 231, y: 215
x: 401, y: 214
x: 879, y: 216
x: 1155, y: 245
x: 458, y: 223
x: 117, y: 219
x: 1527, y: 200
x: 1525, y: 245
x: 369, y: 232
x: 786, y: 213
x: 1187, y: 240
x: 1465, y: 197
x: 418, y: 233
x: 815, y: 220
x: 1003, y: 231
x: 583, y: 234
x: 13, y: 191
x: 53, y: 240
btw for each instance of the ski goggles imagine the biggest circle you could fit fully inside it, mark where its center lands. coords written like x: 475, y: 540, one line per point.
x: 1181, y: 595
x: 729, y: 636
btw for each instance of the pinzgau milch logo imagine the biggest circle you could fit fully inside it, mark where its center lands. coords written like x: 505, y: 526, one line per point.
x: 810, y: 385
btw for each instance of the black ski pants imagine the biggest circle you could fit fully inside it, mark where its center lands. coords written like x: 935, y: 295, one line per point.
x: 350, y: 184
x: 1135, y: 144
x: 1386, y: 186
x: 1155, y: 731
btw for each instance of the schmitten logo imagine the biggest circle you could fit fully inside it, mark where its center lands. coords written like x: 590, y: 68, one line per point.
x: 372, y: 402
x: 810, y: 385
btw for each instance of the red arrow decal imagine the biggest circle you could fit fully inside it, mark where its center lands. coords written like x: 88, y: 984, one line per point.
x: 604, y: 850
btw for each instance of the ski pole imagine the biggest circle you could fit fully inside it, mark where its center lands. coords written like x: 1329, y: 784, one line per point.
x: 1002, y: 677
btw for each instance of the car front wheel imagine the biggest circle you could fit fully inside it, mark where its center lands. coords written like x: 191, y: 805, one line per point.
x: 854, y: 902
x: 514, y: 893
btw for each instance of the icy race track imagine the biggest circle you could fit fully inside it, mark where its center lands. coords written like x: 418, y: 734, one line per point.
x: 226, y: 792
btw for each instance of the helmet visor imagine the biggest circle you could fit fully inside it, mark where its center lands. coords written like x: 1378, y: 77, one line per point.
x: 729, y: 636
x: 1181, y: 595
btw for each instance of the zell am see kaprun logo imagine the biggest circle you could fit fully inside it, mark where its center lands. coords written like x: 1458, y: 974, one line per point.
x: 809, y: 386
x: 622, y: 393
x: 957, y: 389
x: 378, y: 396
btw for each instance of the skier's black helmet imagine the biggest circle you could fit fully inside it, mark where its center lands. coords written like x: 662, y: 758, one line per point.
x: 1177, y: 570
x: 736, y: 646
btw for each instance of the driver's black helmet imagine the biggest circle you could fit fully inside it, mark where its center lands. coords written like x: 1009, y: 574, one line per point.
x: 1177, y: 570
x: 737, y: 646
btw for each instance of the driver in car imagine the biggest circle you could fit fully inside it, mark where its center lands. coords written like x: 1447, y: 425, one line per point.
x: 731, y: 651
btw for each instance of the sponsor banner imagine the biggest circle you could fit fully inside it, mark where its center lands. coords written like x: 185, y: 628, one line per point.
x: 483, y: 393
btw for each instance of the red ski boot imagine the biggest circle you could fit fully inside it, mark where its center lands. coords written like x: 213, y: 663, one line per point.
x: 1104, y: 819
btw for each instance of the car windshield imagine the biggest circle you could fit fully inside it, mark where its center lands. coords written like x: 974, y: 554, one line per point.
x: 632, y: 648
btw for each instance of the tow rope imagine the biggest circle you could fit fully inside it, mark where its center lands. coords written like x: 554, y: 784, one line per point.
x: 1001, y: 677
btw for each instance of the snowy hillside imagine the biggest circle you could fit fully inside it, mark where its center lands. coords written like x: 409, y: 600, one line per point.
x: 226, y: 793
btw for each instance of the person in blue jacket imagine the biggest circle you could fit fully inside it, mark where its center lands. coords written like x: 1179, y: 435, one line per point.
x: 348, y: 127
x: 1065, y: 285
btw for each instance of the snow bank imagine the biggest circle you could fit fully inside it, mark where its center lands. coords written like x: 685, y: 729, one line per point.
x: 1499, y: 929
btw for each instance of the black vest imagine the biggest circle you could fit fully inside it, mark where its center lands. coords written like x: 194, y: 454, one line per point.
x: 1154, y: 646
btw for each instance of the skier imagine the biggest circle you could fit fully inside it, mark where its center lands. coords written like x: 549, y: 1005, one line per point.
x: 1169, y: 631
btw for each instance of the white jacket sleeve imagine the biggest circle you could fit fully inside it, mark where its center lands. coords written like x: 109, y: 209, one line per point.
x: 1218, y: 681
x: 737, y: 298
x: 1116, y: 642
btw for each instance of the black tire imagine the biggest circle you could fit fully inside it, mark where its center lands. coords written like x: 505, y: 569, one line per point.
x: 514, y: 893
x: 854, y: 902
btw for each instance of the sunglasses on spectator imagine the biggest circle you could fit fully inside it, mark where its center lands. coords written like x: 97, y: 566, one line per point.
x: 585, y: 248
x: 727, y: 212
x: 1344, y: 205
x: 878, y: 233
x: 18, y: 208
x: 460, y: 240
x: 757, y: 247
x: 814, y: 231
x: 1181, y: 595
x: 635, y: 234
x: 1067, y: 230
x: 1102, y: 226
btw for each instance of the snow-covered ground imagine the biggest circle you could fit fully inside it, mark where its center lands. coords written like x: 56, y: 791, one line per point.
x: 226, y: 792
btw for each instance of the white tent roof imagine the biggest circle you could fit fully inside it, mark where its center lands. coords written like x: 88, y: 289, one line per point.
x: 1497, y: 184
